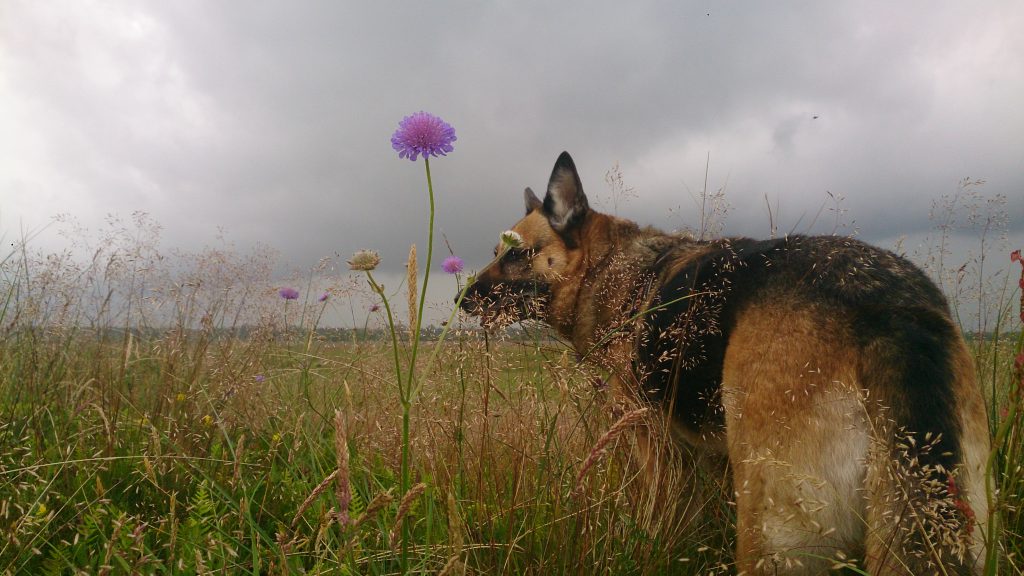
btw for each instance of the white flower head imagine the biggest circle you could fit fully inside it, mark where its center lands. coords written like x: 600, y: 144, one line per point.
x: 510, y: 239
x: 364, y: 260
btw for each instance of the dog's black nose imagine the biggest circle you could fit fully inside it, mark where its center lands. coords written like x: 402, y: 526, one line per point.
x: 470, y: 293
x: 465, y: 298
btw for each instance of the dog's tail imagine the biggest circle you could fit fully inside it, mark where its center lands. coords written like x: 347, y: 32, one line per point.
x: 926, y: 494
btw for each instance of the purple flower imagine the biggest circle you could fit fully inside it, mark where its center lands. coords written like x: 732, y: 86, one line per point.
x: 423, y: 133
x: 288, y: 293
x: 452, y: 264
x: 374, y: 307
x: 323, y: 297
x: 260, y: 378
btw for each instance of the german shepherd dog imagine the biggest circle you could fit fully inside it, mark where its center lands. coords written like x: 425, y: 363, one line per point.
x: 828, y: 372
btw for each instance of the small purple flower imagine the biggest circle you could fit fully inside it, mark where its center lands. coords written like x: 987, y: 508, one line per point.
x: 452, y: 264
x: 288, y: 293
x: 260, y: 378
x: 423, y: 133
x: 323, y: 297
x: 374, y: 307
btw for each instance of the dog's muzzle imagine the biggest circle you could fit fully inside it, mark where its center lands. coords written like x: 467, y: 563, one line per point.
x: 506, y: 302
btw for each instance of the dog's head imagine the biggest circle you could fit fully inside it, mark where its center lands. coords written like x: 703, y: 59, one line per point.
x: 533, y: 261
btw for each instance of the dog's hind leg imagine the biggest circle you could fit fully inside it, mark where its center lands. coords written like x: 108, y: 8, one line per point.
x: 798, y: 491
x: 797, y: 442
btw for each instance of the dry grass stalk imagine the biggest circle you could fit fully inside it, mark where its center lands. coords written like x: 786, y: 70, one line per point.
x: 344, y: 491
x: 286, y: 544
x: 403, y: 509
x: 454, y: 567
x: 455, y: 528
x: 349, y: 413
x: 239, y: 448
x: 378, y: 503
x: 174, y: 528
x: 200, y: 565
x: 601, y: 447
x: 320, y: 489
x: 410, y: 283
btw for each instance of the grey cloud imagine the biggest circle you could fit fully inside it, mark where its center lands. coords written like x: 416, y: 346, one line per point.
x: 273, y: 120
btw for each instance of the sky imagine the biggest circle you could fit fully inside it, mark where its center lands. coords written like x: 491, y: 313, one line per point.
x: 269, y: 122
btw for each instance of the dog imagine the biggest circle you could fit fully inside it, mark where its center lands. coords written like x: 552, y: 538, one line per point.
x: 829, y: 373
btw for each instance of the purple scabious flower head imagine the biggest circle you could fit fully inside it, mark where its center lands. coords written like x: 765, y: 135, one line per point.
x: 323, y: 297
x: 260, y: 378
x: 452, y: 264
x: 423, y: 133
x: 288, y: 293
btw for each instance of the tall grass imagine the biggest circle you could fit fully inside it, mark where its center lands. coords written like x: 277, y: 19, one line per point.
x: 169, y: 413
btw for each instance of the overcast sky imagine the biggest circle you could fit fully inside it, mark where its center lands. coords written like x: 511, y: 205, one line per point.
x: 271, y: 121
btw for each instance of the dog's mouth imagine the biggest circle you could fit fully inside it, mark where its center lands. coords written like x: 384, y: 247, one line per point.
x: 502, y: 304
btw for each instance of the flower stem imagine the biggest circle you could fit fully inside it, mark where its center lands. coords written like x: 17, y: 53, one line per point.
x: 403, y: 397
x: 391, y: 328
x: 426, y: 277
x: 411, y: 376
x: 441, y: 338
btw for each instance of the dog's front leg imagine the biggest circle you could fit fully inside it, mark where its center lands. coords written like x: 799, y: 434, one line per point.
x: 671, y: 480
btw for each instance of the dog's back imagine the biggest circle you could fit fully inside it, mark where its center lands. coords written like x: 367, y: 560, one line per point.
x: 845, y: 395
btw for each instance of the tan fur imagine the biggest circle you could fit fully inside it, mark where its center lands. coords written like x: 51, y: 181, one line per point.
x: 795, y: 426
x: 976, y: 448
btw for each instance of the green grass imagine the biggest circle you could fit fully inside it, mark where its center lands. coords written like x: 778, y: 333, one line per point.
x: 182, y: 428
x: 146, y: 458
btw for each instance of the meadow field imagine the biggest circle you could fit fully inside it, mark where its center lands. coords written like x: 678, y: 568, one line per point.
x: 177, y: 415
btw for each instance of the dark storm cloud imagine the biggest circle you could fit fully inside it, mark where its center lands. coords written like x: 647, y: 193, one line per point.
x: 272, y: 120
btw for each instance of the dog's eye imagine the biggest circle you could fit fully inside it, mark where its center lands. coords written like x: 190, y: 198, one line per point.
x: 519, y: 254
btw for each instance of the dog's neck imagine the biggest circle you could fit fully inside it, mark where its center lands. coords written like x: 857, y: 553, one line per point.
x: 608, y: 283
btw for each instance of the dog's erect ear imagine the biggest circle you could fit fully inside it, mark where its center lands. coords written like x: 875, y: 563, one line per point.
x: 532, y: 202
x: 565, y: 205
